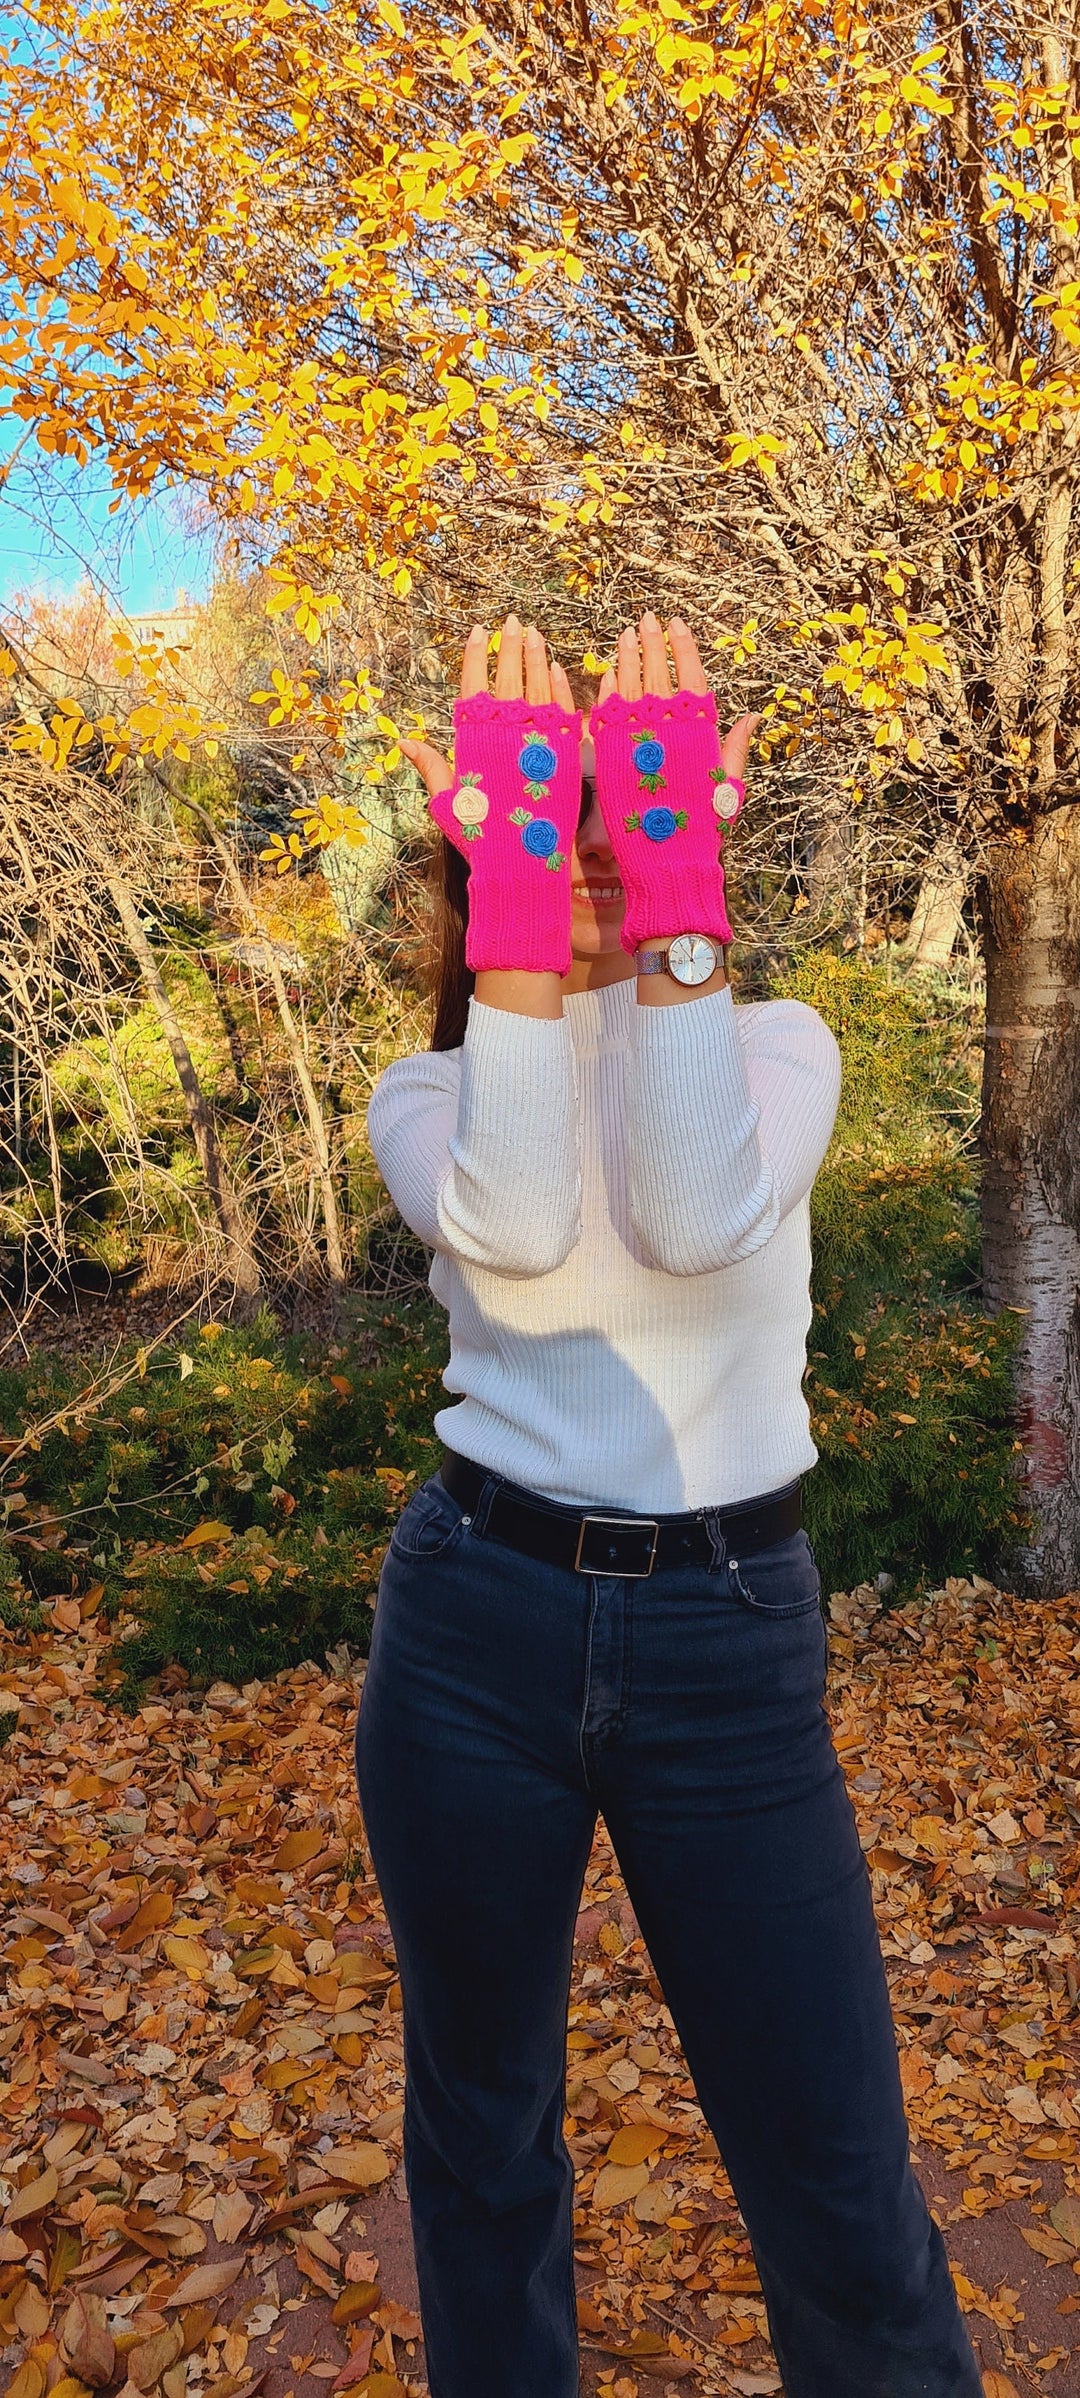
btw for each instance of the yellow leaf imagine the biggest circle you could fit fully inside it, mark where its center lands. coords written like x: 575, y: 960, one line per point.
x: 298, y: 1848
x: 206, y: 1533
x: 256, y: 1961
x: 362, y: 2167
x: 188, y: 1955
x: 148, y: 1918
x: 391, y: 16
x: 459, y: 396
x: 27, y: 2381
x: 633, y: 2143
x: 616, y: 2183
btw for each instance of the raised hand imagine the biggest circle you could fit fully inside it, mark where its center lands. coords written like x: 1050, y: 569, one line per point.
x: 511, y: 803
x: 666, y: 784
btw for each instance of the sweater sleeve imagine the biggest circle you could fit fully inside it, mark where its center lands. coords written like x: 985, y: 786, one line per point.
x: 478, y: 1146
x: 730, y: 1114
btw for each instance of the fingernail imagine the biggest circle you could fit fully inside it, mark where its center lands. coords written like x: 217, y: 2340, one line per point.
x: 479, y: 632
x: 677, y: 625
x: 513, y: 624
x: 649, y: 618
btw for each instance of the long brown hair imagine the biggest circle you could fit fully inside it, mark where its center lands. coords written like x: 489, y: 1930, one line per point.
x: 449, y: 980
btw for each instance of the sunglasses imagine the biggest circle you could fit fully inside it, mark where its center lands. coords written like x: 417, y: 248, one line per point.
x: 588, y: 798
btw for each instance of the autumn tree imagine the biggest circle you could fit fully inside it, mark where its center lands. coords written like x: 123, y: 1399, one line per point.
x: 769, y: 314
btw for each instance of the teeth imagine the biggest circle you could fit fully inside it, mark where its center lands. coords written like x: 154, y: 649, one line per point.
x: 598, y: 891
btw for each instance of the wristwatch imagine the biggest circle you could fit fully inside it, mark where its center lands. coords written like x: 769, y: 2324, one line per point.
x: 690, y: 959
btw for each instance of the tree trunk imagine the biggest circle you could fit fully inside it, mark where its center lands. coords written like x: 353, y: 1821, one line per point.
x: 828, y: 865
x: 1029, y: 906
x: 320, y: 1145
x: 939, y: 906
x: 242, y: 1263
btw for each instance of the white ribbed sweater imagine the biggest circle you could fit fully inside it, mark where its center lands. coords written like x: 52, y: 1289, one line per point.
x: 619, y: 1208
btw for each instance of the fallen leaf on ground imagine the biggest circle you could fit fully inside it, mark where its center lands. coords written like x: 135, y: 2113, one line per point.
x: 86, y: 2340
x: 1065, y: 2217
x: 207, y: 2281
x: 214, y: 2020
x: 362, y: 2167
x: 634, y: 2144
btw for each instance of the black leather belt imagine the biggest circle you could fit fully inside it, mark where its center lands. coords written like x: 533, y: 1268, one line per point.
x: 631, y: 1546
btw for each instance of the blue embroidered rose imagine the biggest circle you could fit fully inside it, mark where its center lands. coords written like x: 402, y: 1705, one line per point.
x: 540, y: 837
x: 658, y: 824
x: 537, y: 762
x: 648, y: 756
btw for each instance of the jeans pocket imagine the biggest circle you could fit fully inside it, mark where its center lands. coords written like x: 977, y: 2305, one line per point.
x: 781, y: 1582
x: 429, y: 1524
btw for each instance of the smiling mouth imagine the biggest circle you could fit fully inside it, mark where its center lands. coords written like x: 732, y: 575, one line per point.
x: 600, y: 894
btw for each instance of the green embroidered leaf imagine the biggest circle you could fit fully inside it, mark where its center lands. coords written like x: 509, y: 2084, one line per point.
x: 463, y: 779
x: 520, y: 816
x: 652, y: 782
x: 538, y: 791
x: 554, y: 862
x: 718, y: 774
x: 472, y: 832
x: 680, y: 819
x: 633, y: 824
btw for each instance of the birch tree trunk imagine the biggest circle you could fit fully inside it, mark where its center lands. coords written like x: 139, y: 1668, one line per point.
x: 939, y: 906
x: 1029, y: 905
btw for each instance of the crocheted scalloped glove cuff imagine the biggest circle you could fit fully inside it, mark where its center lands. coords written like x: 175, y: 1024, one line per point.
x: 665, y: 798
x: 512, y: 811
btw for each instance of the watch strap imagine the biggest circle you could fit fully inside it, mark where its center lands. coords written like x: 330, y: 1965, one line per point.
x: 658, y: 961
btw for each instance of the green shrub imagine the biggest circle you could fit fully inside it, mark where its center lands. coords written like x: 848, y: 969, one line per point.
x: 261, y: 1605
x: 908, y: 1382
x: 236, y: 1497
x: 911, y: 1072
x: 19, y: 1610
x: 288, y: 1471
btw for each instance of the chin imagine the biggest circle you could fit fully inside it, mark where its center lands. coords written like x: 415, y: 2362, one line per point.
x: 594, y: 937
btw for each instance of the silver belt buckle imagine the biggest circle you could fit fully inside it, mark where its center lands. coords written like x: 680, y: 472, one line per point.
x: 621, y: 1523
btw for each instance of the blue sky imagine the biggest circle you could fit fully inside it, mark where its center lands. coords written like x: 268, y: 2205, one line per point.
x: 55, y: 526
x: 55, y: 529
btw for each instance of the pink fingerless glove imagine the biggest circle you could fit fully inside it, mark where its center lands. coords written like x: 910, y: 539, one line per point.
x: 664, y: 797
x: 512, y: 810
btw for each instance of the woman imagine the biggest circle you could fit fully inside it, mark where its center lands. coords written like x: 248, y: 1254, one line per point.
x: 604, y: 1600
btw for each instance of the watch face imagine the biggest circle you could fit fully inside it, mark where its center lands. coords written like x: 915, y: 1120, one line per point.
x: 692, y: 957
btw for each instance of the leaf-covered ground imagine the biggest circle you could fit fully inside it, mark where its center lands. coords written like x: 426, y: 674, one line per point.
x: 200, y: 2103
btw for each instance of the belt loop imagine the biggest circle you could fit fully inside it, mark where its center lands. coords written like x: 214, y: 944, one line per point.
x: 484, y: 1504
x: 715, y: 1538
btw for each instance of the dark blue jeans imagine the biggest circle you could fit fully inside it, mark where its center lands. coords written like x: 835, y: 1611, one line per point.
x: 507, y: 1702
